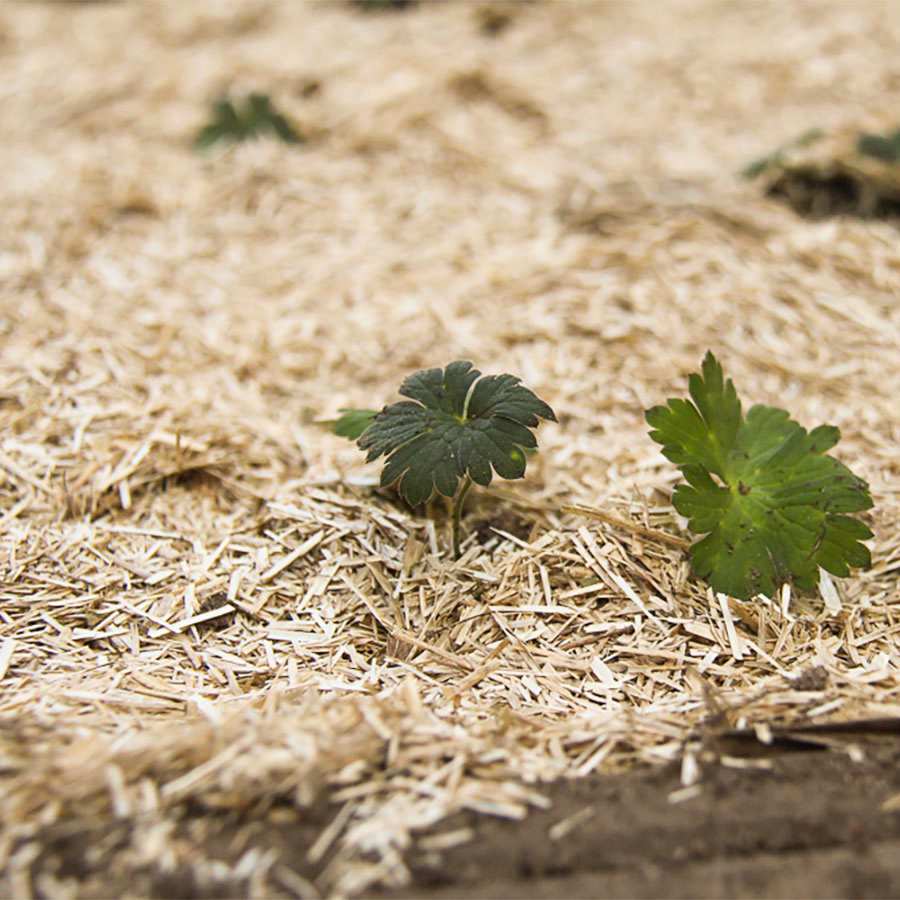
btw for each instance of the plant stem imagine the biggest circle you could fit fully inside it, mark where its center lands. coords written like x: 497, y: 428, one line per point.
x: 457, y: 512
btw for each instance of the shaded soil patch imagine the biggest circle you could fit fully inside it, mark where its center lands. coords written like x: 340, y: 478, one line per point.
x: 818, y: 194
x: 810, y: 826
x: 505, y: 520
x: 799, y: 825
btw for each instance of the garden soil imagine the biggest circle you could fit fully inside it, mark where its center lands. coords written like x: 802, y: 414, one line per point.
x: 231, y: 662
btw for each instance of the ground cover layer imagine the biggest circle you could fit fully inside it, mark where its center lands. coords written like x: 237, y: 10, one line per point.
x: 230, y: 664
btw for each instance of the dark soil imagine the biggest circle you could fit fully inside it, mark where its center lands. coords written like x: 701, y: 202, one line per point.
x: 812, y: 824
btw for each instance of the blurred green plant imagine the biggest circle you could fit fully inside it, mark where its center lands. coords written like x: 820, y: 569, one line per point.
x: 885, y: 147
x: 250, y: 118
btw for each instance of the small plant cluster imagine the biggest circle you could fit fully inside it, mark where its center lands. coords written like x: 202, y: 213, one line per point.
x: 854, y: 174
x: 772, y: 504
x: 884, y: 147
x: 456, y: 427
x: 252, y: 117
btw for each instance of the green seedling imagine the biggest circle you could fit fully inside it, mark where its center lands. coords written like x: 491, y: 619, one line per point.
x: 252, y: 118
x: 770, y: 501
x: 457, y: 426
x: 885, y: 147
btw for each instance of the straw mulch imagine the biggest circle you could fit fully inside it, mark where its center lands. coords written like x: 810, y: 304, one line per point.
x: 206, y: 603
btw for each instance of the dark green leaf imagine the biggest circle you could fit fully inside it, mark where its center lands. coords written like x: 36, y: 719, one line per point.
x: 455, y: 423
x: 777, y: 511
x: 280, y: 125
x: 883, y: 147
x: 254, y: 116
x: 262, y: 116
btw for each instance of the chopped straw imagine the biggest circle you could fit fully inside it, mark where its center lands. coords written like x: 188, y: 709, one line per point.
x: 207, y: 603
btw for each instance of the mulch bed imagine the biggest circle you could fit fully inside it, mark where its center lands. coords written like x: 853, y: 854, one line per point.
x: 230, y: 663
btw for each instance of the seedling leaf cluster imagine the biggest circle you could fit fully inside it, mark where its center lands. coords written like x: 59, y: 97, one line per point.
x: 772, y: 504
x: 252, y: 117
x: 457, y: 426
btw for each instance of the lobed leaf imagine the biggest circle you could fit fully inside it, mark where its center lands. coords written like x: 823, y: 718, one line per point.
x: 456, y: 423
x: 770, y: 501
